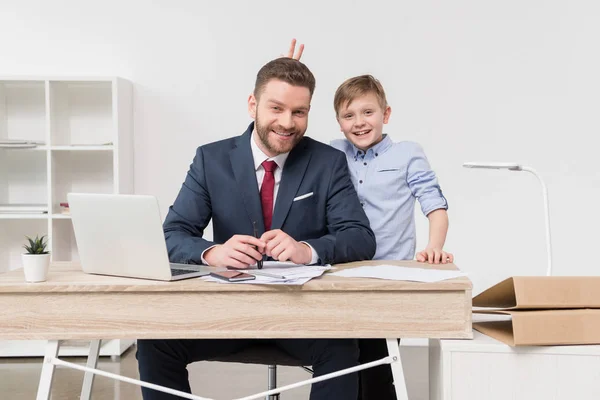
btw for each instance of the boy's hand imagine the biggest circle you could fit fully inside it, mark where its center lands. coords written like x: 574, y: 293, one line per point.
x: 282, y: 247
x: 290, y: 53
x: 434, y: 256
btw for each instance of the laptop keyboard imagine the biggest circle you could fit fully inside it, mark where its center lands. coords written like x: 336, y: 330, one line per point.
x: 177, y: 271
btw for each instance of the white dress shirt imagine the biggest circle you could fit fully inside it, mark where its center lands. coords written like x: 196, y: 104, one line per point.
x: 259, y: 157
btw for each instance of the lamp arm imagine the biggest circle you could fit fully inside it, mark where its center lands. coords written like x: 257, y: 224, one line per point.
x: 547, y: 216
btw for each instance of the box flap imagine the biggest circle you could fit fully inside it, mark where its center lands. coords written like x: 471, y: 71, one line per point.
x: 499, y: 330
x: 542, y: 292
x: 501, y: 295
x: 546, y: 327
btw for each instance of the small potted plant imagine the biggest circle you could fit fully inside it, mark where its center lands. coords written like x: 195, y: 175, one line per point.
x: 37, y: 259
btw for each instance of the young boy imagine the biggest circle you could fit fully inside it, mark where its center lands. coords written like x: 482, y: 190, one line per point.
x: 389, y: 177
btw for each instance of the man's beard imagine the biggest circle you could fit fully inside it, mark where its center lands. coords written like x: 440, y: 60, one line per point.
x: 277, y: 147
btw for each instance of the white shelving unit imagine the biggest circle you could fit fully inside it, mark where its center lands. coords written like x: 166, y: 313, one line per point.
x: 84, y: 131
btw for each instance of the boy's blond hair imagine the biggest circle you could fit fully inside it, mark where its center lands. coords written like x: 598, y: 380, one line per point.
x: 356, y: 87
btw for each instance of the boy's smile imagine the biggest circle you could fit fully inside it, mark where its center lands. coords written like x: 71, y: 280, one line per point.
x: 360, y: 133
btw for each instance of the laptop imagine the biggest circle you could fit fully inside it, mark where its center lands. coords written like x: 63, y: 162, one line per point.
x: 122, y: 235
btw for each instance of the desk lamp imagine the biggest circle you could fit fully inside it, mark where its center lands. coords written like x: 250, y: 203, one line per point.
x: 518, y: 167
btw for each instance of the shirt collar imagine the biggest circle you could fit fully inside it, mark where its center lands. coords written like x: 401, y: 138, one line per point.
x: 379, y: 148
x: 259, y: 156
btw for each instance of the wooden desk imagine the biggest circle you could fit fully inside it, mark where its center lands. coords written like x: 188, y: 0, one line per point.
x: 75, y: 305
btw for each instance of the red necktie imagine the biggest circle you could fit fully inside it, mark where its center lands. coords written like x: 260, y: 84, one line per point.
x: 266, y: 193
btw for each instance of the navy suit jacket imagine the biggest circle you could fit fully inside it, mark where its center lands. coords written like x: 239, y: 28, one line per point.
x: 221, y: 184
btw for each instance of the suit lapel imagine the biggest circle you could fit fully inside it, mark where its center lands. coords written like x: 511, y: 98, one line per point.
x: 292, y: 175
x: 242, y: 163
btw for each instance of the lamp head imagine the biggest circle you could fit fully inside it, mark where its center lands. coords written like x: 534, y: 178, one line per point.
x: 494, y: 165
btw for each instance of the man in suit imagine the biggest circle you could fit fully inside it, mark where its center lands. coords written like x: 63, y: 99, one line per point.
x: 298, y: 194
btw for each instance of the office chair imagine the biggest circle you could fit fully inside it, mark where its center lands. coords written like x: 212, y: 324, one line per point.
x: 264, y: 354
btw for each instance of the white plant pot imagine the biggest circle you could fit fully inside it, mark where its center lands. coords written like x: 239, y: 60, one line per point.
x: 35, y: 266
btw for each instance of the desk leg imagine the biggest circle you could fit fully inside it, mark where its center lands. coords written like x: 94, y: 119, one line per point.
x: 92, y: 362
x: 397, y: 371
x: 45, y: 385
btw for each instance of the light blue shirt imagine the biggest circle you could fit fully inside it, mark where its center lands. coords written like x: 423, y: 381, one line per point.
x: 389, y: 178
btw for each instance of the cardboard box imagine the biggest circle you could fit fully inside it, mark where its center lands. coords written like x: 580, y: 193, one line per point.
x: 542, y: 292
x: 544, y: 310
x: 545, y: 327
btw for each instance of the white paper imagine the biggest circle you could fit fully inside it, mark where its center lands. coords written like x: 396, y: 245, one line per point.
x: 396, y: 273
x: 23, y: 208
x: 280, y: 273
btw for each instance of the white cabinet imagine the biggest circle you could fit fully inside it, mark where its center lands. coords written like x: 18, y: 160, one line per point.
x: 80, y: 134
x: 484, y: 368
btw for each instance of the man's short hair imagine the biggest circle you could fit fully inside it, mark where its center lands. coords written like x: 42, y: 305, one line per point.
x: 287, y: 70
x: 356, y: 87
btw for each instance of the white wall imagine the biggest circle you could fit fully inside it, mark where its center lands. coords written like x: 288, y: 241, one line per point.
x: 469, y: 80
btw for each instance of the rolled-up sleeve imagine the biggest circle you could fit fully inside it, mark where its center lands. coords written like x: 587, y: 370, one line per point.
x: 423, y: 182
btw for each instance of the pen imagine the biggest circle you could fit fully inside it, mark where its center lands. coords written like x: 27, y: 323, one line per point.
x: 259, y: 263
x: 258, y: 273
x: 267, y: 274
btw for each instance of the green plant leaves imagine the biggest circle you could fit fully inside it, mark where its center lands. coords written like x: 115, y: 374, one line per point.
x: 36, y: 246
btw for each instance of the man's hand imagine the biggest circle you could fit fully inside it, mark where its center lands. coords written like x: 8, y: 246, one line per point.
x: 282, y: 247
x: 290, y: 53
x: 240, y: 251
x: 434, y: 256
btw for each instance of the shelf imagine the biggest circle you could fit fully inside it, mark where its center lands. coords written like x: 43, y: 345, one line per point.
x: 84, y: 126
x: 99, y: 147
x: 81, y: 172
x: 57, y: 78
x: 36, y: 148
x: 81, y: 113
x: 64, y: 246
x: 60, y: 216
x: 83, y: 148
x: 23, y: 177
x: 85, y: 129
x: 23, y: 110
x: 23, y: 216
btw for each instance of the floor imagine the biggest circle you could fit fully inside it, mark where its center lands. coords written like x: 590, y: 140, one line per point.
x: 19, y: 378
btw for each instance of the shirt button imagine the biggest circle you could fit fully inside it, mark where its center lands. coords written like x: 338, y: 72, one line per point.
x: 365, y: 163
x: 376, y: 154
x: 362, y: 204
x: 360, y: 181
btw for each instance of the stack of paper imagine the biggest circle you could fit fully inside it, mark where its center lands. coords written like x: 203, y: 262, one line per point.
x: 396, y: 273
x: 23, y: 208
x: 280, y: 273
x: 18, y: 144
